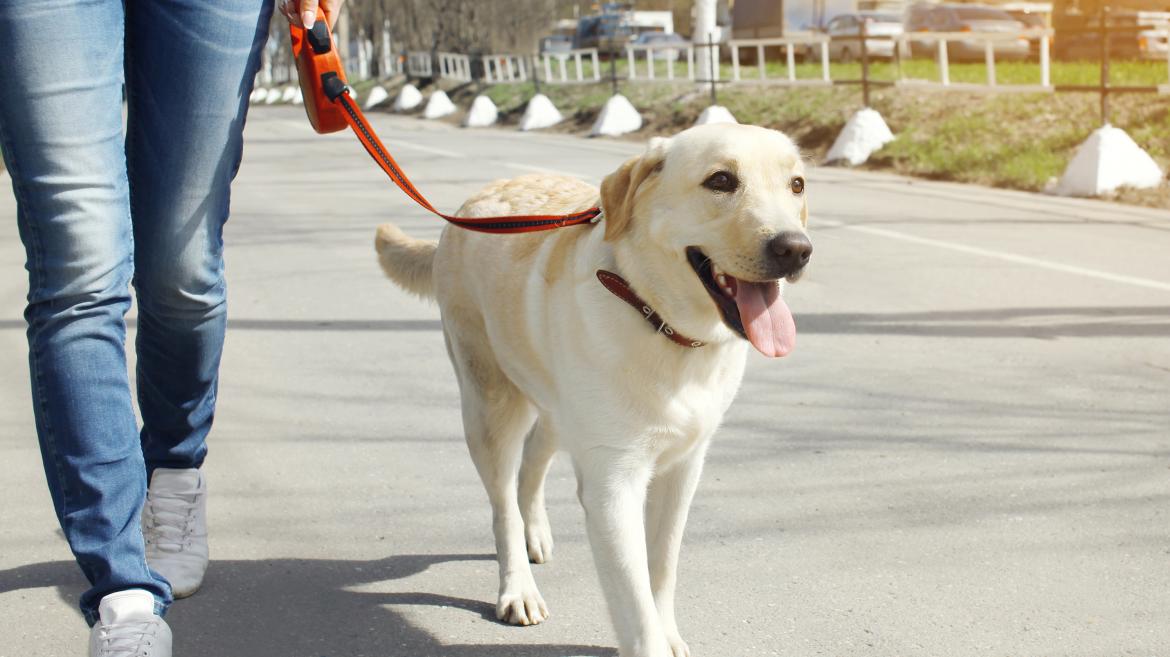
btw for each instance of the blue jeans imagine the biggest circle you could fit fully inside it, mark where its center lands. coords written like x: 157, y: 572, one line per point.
x: 99, y: 210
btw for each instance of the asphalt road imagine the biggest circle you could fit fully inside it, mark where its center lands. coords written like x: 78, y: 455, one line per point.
x: 968, y: 454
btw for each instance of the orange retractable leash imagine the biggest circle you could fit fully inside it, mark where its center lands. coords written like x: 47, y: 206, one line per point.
x: 330, y: 109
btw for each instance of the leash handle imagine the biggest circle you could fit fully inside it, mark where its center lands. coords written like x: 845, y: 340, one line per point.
x: 331, y: 108
x: 316, y: 58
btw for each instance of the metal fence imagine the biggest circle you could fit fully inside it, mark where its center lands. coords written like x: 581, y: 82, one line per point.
x: 454, y: 66
x: 818, y: 43
x: 987, y: 41
x: 505, y: 68
x: 653, y: 54
x: 677, y: 63
x: 419, y: 65
x: 561, y: 74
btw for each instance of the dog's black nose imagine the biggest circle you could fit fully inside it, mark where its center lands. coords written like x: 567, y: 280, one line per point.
x: 790, y: 251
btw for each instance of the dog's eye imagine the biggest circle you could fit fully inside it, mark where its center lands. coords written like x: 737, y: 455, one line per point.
x: 797, y: 185
x: 721, y: 181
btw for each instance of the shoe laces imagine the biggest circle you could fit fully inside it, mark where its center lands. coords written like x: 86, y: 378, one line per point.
x: 128, y: 639
x: 170, y: 521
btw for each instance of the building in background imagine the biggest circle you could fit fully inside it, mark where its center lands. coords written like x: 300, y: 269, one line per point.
x: 1139, y: 29
x: 757, y: 19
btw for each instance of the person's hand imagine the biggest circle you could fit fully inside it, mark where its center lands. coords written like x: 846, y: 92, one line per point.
x: 303, y: 13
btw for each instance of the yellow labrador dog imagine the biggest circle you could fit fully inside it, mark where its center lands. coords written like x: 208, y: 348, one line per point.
x: 622, y: 344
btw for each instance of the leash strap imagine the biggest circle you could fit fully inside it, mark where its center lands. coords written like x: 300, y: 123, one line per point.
x: 338, y: 92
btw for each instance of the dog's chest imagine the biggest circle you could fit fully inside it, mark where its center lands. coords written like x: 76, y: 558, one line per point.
x: 688, y: 399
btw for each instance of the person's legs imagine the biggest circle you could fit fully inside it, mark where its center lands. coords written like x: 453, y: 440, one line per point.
x: 61, y: 132
x: 189, y: 69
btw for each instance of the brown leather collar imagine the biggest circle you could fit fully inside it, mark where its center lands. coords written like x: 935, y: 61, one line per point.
x: 622, y: 290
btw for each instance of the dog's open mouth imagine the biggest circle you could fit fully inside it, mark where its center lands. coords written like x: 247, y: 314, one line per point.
x: 754, y: 310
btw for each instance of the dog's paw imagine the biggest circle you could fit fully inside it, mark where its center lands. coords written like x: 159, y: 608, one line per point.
x: 678, y: 647
x: 538, y: 535
x: 522, y: 606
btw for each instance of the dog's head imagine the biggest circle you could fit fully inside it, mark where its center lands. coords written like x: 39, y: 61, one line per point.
x: 707, y: 224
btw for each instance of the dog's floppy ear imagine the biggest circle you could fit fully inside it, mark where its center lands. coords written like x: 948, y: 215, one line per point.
x: 619, y: 187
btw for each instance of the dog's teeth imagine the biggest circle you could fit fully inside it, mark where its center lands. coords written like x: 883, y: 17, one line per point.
x: 724, y: 284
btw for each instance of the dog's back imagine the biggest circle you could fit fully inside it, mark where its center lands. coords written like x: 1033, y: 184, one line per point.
x: 409, y: 262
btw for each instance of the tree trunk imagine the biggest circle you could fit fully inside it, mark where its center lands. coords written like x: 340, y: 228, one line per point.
x: 386, y: 64
x: 706, y: 59
x: 341, y: 32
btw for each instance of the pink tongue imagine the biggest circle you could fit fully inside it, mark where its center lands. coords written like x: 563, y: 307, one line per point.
x: 766, y: 318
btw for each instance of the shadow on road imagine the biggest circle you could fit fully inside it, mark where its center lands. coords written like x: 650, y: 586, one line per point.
x: 300, y: 325
x: 304, y: 608
x: 1042, y: 323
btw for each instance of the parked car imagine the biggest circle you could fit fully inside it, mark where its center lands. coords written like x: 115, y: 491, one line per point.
x: 1154, y: 44
x: 966, y: 18
x: 1031, y: 20
x: 605, y: 32
x: 617, y: 24
x: 845, y: 32
x: 557, y: 44
x: 667, y: 47
x: 1034, y: 22
x: 1077, y: 36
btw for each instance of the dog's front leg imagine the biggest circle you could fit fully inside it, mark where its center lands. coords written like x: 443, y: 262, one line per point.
x: 669, y: 501
x: 611, y: 484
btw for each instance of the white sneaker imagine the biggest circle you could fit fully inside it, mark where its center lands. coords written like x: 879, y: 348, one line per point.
x: 174, y: 524
x: 128, y: 627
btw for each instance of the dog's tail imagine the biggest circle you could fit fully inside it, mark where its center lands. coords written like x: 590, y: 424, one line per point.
x: 407, y: 261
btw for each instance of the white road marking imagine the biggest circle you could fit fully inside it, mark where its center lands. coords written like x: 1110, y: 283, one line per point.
x: 1008, y: 257
x: 441, y: 152
x: 539, y: 169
